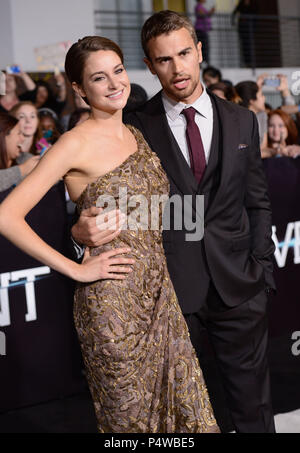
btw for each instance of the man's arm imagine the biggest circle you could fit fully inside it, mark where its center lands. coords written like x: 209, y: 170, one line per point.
x: 258, y: 207
x: 92, y: 228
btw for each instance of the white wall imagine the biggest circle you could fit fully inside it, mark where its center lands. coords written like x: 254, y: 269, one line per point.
x: 36, y: 23
x: 6, y: 41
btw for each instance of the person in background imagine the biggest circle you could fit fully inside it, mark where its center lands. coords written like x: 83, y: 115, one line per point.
x: 253, y: 98
x: 268, y: 108
x: 246, y: 9
x: 78, y: 117
x: 138, y: 96
x: 50, y: 126
x: 14, y: 164
x: 79, y: 104
x: 211, y: 75
x: 283, y: 88
x: 283, y: 137
x: 27, y: 115
x: 43, y: 96
x: 224, y: 91
x: 291, y: 109
x: 203, y: 26
x: 11, y: 98
x: 219, y: 89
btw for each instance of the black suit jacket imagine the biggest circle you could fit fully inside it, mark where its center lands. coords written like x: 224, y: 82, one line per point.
x: 237, y: 240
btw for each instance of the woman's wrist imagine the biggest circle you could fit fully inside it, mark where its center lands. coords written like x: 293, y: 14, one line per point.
x: 74, y: 271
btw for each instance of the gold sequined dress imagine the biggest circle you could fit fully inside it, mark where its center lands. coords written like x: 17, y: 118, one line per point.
x: 141, y: 368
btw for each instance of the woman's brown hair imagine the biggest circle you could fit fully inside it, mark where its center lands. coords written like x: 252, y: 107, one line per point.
x: 292, y: 138
x: 7, y: 123
x: 80, y: 51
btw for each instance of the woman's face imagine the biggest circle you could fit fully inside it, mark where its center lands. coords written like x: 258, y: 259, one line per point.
x: 41, y: 95
x: 13, y: 142
x: 105, y: 81
x: 277, y: 130
x: 28, y: 120
x: 47, y: 123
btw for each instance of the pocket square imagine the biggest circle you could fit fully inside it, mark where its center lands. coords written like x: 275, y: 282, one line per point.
x: 243, y: 146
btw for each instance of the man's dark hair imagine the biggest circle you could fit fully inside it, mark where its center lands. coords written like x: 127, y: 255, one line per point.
x: 212, y: 72
x: 247, y: 91
x: 162, y: 23
x: 138, y: 97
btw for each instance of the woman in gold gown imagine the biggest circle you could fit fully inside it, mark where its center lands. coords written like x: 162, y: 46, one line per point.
x: 142, y: 370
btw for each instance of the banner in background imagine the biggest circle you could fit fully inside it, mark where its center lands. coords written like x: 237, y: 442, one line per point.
x: 40, y: 356
x: 52, y: 57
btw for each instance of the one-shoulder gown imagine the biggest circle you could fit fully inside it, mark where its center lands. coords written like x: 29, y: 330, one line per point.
x: 142, y: 370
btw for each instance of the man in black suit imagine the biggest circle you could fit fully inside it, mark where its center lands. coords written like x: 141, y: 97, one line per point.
x: 221, y: 281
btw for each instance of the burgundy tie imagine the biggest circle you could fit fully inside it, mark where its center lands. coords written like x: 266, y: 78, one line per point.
x: 196, y: 149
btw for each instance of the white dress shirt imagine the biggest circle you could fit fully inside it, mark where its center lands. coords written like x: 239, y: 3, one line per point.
x: 203, y: 119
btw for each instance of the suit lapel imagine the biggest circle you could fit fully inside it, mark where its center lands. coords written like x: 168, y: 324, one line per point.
x: 229, y: 142
x: 157, y: 132
x: 213, y: 151
x: 160, y: 138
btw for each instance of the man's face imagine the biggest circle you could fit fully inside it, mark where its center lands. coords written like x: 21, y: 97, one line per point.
x: 175, y: 59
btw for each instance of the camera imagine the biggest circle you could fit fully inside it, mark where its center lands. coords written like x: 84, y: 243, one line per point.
x: 272, y: 82
x: 13, y: 69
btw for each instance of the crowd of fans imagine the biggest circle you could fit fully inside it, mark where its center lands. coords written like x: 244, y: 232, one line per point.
x: 32, y: 121
x: 33, y: 115
x: 279, y: 127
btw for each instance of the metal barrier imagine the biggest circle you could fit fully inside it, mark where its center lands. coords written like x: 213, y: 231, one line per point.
x: 249, y: 41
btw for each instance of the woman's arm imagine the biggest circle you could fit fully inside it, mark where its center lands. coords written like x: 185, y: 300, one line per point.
x: 13, y: 210
x: 62, y: 88
x: 63, y: 156
x: 12, y: 176
x: 28, y: 82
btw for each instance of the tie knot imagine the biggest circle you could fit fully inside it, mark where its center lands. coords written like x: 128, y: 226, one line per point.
x: 189, y: 114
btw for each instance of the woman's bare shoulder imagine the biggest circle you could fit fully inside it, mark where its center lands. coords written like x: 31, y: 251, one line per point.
x: 72, y: 138
x: 69, y: 144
